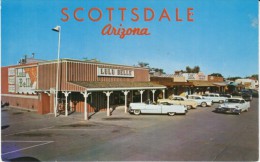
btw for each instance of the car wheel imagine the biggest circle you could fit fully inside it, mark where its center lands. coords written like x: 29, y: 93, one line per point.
x: 188, y: 107
x: 221, y: 101
x: 203, y: 104
x: 137, y: 112
x: 171, y: 113
x: 239, y: 112
x: 246, y: 110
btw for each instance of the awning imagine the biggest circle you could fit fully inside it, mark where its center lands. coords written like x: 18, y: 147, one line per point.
x: 172, y: 84
x: 116, y: 86
x: 202, y: 83
x: 232, y: 84
x: 220, y: 84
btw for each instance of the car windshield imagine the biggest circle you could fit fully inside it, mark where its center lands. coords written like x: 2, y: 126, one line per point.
x: 165, y: 103
x: 232, y: 101
x: 178, y: 99
x: 148, y: 102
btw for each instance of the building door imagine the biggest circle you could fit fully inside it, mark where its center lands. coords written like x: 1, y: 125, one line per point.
x: 44, y: 108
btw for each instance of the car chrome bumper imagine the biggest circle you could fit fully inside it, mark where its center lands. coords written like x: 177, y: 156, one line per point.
x: 227, y: 110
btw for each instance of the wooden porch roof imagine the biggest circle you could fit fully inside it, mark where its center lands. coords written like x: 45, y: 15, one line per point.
x: 103, y: 86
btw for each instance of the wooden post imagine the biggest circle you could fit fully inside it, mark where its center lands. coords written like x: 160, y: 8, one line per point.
x: 125, y: 93
x: 108, y: 94
x: 66, y: 100
x: 85, y: 94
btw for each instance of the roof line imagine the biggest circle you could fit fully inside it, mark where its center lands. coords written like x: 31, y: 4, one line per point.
x: 121, y: 89
x: 88, y: 62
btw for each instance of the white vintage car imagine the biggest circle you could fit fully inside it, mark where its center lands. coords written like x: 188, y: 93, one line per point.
x: 200, y: 100
x: 215, y: 97
x: 180, y: 100
x: 161, y: 108
x: 234, y: 105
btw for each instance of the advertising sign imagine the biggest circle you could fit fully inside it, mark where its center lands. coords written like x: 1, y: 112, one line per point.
x: 115, y: 72
x: 11, y: 71
x: 11, y: 80
x: 11, y: 88
x: 26, y: 79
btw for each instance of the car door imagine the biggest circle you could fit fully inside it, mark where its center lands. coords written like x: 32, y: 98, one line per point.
x: 176, y: 100
x: 214, y: 98
x: 198, y: 99
x: 152, y: 108
x: 243, y: 104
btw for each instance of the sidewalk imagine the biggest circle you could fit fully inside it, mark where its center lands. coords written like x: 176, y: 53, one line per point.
x: 119, y: 111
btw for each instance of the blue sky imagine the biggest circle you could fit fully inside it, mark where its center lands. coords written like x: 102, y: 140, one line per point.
x: 222, y: 38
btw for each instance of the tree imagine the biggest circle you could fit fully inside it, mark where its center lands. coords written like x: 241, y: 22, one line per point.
x: 255, y: 76
x: 234, y: 78
x: 157, y: 70
x: 143, y: 64
x: 188, y: 69
x: 216, y: 74
x: 151, y: 69
x: 196, y: 69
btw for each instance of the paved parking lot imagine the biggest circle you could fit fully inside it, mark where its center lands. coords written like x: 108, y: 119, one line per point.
x: 200, y: 135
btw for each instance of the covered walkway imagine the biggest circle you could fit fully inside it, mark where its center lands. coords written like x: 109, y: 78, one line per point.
x: 111, y: 87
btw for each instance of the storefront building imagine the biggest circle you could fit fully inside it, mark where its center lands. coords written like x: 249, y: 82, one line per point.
x: 82, y: 86
x: 176, y: 85
x: 184, y: 84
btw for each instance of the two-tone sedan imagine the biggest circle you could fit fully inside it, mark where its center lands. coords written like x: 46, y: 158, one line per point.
x: 215, y: 97
x: 234, y: 105
x: 203, y: 102
x: 180, y: 100
x: 160, y: 108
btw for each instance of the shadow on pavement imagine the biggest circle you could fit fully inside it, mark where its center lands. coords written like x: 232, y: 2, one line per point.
x: 4, y: 127
x: 25, y: 159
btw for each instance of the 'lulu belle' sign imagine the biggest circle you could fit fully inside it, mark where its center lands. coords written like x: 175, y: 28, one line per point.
x: 114, y: 72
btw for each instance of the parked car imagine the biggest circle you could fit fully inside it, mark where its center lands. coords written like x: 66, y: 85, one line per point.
x: 236, y: 93
x: 179, y: 100
x: 234, y: 105
x: 252, y: 92
x: 201, y: 101
x: 160, y: 108
x: 215, y: 97
x: 247, y: 96
x: 255, y: 93
x: 225, y: 95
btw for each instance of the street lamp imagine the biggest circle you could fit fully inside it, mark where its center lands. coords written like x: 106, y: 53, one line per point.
x: 57, y: 29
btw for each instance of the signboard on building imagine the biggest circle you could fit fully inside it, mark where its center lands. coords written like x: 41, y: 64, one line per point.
x: 115, y: 72
x: 11, y: 88
x: 11, y: 80
x: 11, y: 71
x: 215, y: 79
x: 201, y: 76
x: 26, y: 80
x: 195, y: 76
